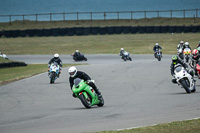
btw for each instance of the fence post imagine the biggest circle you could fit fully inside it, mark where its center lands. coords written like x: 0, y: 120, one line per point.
x: 104, y: 15
x: 158, y: 13
x: 118, y: 15
x: 197, y: 13
x: 23, y: 19
x: 10, y: 19
x: 91, y: 15
x: 131, y: 15
x: 63, y: 16
x: 183, y: 13
x: 77, y: 15
x: 36, y: 17
x: 145, y: 14
x: 50, y: 15
x: 171, y: 13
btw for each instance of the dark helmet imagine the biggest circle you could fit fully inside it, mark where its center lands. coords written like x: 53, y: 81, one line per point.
x: 175, y: 59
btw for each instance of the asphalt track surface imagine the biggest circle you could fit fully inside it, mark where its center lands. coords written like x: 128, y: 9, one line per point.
x: 136, y: 93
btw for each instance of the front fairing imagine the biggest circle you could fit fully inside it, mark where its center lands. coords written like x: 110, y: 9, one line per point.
x: 54, y: 68
x: 187, y: 51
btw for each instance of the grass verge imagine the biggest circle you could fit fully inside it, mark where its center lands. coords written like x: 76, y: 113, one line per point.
x: 16, y: 73
x: 20, y: 25
x: 188, y: 126
x: 97, y: 44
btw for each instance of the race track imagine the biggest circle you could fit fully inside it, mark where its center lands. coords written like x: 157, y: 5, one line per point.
x: 136, y: 93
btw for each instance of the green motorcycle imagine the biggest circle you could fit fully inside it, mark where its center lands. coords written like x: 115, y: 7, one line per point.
x: 86, y: 94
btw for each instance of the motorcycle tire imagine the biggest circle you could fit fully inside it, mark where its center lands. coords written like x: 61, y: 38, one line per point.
x: 85, y: 102
x: 124, y: 58
x: 159, y: 58
x: 187, y: 59
x: 101, y: 102
x: 130, y: 59
x: 52, y: 78
x: 85, y: 59
x: 185, y: 86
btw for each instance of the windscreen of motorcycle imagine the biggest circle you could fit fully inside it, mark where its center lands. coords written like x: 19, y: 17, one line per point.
x: 77, y: 81
x: 178, y: 69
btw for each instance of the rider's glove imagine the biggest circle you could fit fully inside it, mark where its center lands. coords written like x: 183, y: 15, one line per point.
x: 48, y: 65
x: 88, y: 81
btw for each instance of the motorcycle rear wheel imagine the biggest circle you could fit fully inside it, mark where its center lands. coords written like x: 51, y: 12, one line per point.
x: 85, y: 102
x: 101, y: 102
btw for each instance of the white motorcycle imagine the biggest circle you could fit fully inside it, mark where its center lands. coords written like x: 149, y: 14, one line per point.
x: 184, y: 79
x: 54, y: 71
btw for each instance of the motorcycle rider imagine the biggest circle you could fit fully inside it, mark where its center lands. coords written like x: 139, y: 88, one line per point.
x: 74, y: 73
x: 175, y: 61
x: 186, y: 45
x: 198, y: 44
x: 76, y: 54
x: 56, y: 59
x: 180, y: 45
x: 194, y: 60
x: 156, y: 47
x: 121, y: 52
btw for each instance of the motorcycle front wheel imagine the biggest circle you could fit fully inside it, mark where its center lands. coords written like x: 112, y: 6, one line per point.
x: 185, y: 86
x: 101, y: 102
x: 52, y: 77
x: 85, y: 102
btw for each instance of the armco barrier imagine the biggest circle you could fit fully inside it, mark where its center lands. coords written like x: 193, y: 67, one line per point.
x: 179, y: 29
x: 126, y: 29
x: 23, y: 33
x: 94, y: 30
x: 47, y: 32
x: 118, y: 30
x: 55, y: 32
x: 86, y: 31
x: 15, y: 33
x: 79, y: 31
x: 149, y: 29
x: 31, y: 32
x: 70, y: 31
x: 172, y: 29
x: 12, y: 64
x: 63, y: 31
x: 102, y: 30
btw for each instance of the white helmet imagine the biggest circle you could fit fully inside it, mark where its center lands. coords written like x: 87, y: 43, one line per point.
x: 122, y: 48
x: 77, y: 51
x: 156, y: 44
x: 56, y: 55
x: 186, y: 43
x: 72, y: 71
x: 181, y: 42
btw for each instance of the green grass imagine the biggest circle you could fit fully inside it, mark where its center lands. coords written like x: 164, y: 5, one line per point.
x: 97, y: 44
x: 16, y: 73
x: 189, y: 126
x: 19, y: 25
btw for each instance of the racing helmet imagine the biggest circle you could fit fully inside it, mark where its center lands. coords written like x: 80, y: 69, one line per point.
x: 175, y: 59
x: 186, y: 43
x: 77, y: 50
x: 198, y: 49
x: 56, y: 56
x: 195, y: 53
x: 72, y: 71
x: 122, y: 48
x: 181, y: 42
x: 156, y: 44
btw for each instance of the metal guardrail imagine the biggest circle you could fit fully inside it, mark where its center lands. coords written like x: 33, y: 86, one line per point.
x: 100, y: 15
